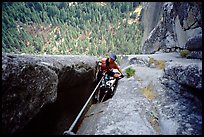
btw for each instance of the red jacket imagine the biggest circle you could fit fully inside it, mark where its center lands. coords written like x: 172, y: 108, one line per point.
x: 105, y: 66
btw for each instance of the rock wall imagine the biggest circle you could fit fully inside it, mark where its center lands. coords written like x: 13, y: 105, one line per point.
x: 151, y: 12
x: 29, y: 83
x: 142, y: 105
x: 178, y: 73
x: 179, y: 76
x: 179, y: 23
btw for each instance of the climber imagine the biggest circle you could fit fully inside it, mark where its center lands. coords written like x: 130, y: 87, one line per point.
x: 106, y: 65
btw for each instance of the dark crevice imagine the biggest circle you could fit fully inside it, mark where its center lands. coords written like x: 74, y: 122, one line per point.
x: 57, y: 117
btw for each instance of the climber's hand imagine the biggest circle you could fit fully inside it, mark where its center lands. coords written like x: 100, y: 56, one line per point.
x: 121, y: 76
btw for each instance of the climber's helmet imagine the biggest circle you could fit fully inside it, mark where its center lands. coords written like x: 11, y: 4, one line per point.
x: 113, y: 56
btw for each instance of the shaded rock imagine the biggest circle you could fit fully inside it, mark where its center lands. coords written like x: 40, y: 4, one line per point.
x: 189, y: 14
x: 150, y: 16
x: 194, y: 43
x: 171, y: 84
x: 26, y: 88
x: 186, y: 75
x: 31, y: 82
x: 154, y: 41
x: 178, y: 22
x: 195, y: 55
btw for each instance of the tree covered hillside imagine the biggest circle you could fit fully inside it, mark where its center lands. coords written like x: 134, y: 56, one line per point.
x: 88, y: 28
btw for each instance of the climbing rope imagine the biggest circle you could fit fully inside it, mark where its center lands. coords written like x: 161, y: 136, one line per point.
x: 69, y: 132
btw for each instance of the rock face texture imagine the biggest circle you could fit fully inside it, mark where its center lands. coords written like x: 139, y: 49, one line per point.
x: 27, y: 87
x: 150, y: 16
x: 164, y: 95
x: 155, y: 101
x: 194, y: 45
x: 31, y: 82
x: 179, y: 26
x: 186, y: 75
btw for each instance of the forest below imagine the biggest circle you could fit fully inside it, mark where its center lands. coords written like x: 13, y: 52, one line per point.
x: 72, y: 28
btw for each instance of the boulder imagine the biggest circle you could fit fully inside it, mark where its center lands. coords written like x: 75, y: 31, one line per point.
x: 30, y: 82
x: 194, y: 43
x: 187, y: 75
